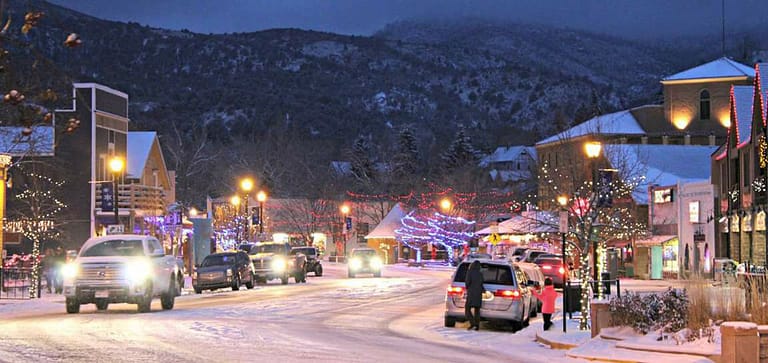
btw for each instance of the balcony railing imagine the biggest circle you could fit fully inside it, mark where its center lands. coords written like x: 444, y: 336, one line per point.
x: 142, y: 199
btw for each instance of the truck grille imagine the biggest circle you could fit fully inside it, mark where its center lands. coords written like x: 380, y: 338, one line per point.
x: 260, y: 264
x: 100, y: 272
x: 210, y: 276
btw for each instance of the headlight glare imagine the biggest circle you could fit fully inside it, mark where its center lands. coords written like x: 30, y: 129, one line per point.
x: 355, y: 263
x: 279, y: 265
x: 229, y: 272
x: 376, y: 263
x: 138, y: 271
x: 69, y: 271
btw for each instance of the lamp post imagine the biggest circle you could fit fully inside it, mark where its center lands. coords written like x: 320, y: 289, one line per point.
x: 246, y: 185
x: 116, y: 164
x: 235, y: 201
x: 261, y: 197
x: 563, y: 201
x: 344, y: 212
x: 592, y: 149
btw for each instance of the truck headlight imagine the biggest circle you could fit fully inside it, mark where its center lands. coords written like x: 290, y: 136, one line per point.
x: 229, y: 272
x: 376, y: 263
x: 355, y: 263
x: 138, y: 271
x: 69, y: 271
x: 279, y: 265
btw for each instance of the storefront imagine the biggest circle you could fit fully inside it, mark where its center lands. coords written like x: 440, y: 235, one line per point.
x: 657, y: 257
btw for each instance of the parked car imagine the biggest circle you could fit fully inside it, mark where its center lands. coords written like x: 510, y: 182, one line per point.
x: 531, y: 255
x: 225, y: 269
x: 506, y: 298
x: 364, y: 260
x: 553, y: 268
x: 517, y: 254
x: 533, y: 271
x: 123, y: 268
x: 271, y: 260
x: 313, y: 259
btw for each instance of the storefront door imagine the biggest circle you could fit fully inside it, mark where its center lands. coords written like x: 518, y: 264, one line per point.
x: 656, y: 262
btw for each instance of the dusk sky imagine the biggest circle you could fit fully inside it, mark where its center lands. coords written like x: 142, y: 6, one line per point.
x: 633, y: 18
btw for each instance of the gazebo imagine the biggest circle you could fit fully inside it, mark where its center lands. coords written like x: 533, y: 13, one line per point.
x: 383, y: 238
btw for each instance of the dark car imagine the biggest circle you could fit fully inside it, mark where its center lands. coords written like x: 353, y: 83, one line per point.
x: 313, y: 259
x: 531, y: 255
x: 364, y: 260
x: 552, y: 267
x: 226, y: 269
x: 273, y: 260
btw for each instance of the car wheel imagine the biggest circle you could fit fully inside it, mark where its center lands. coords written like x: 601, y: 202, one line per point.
x: 350, y: 274
x: 236, y: 283
x: 73, y: 306
x: 516, y: 325
x: 102, y: 304
x: 261, y: 280
x: 284, y: 280
x: 450, y: 322
x: 179, y: 285
x: 198, y: 291
x: 249, y: 284
x: 319, y: 270
x: 145, y: 304
x: 534, y: 309
x: 168, y: 299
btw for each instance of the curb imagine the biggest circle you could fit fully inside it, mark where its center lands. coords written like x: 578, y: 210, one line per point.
x: 554, y: 345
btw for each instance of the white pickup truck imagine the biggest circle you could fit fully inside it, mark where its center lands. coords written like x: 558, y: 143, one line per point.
x: 121, y: 269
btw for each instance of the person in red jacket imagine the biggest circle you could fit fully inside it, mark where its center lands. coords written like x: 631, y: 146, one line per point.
x: 547, y: 296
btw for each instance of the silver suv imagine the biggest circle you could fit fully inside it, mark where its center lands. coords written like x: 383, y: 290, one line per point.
x: 506, y: 299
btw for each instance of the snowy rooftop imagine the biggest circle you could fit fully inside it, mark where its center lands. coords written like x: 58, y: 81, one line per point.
x: 139, y: 146
x: 742, y: 98
x: 39, y: 143
x: 718, y: 68
x: 510, y: 175
x: 617, y: 123
x: 507, y: 153
x: 386, y: 228
x: 661, y: 164
x: 532, y: 222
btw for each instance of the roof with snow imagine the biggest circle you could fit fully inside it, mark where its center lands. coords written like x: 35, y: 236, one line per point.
x: 39, y: 143
x: 660, y: 164
x: 617, y: 123
x: 742, y: 98
x: 718, y: 68
x: 510, y: 175
x: 528, y: 222
x: 345, y: 167
x: 139, y: 147
x: 386, y: 228
x: 508, y: 153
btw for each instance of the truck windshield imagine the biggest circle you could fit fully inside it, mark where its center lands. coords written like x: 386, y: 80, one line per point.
x: 116, y: 247
x: 268, y: 248
x: 218, y: 260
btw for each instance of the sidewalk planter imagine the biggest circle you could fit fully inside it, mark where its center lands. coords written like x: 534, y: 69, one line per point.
x: 740, y: 342
x: 600, y: 315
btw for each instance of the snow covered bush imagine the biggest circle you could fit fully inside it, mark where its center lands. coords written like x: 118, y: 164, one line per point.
x: 648, y: 312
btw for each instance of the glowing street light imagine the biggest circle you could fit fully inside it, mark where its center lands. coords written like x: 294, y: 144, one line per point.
x: 193, y: 212
x: 116, y: 165
x: 445, y: 204
x: 261, y: 196
x: 246, y: 184
x: 592, y: 149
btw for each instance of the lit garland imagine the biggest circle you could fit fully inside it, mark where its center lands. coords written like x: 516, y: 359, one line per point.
x: 758, y: 185
x: 449, y: 232
x: 39, y: 224
x: 762, y: 151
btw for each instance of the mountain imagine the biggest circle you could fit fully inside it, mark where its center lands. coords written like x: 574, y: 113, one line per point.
x: 504, y: 83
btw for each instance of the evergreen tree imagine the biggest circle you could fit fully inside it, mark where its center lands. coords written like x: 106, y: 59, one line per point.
x: 361, y: 164
x: 406, y: 159
x: 460, y: 153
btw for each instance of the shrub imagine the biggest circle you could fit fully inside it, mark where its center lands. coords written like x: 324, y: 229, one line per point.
x: 649, y: 312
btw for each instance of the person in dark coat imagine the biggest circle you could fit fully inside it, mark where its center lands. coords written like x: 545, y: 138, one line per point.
x: 474, y: 286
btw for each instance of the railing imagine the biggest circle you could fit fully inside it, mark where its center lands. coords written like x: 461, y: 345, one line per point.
x: 15, y: 283
x: 572, y: 293
x: 138, y: 197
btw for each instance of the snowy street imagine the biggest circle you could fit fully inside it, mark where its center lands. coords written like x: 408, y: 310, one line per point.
x: 330, y: 318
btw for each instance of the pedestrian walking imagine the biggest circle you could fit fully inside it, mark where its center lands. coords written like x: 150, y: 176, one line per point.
x: 474, y: 286
x: 59, y: 259
x: 547, y: 296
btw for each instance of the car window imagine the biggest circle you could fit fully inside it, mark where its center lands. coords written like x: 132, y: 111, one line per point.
x: 492, y: 274
x: 268, y: 248
x: 363, y: 253
x: 549, y: 261
x: 155, y: 247
x: 218, y: 260
x: 117, y: 247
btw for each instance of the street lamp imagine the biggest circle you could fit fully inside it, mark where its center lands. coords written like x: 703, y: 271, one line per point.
x: 246, y: 185
x: 116, y: 164
x: 344, y: 212
x: 592, y: 149
x: 235, y: 201
x: 445, y: 204
x: 563, y: 201
x: 193, y: 212
x: 261, y: 197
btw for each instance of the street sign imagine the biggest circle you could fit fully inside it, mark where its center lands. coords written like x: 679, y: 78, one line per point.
x: 494, y: 238
x: 115, y: 229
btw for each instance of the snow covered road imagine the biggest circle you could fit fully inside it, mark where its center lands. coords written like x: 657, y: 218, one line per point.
x: 329, y: 319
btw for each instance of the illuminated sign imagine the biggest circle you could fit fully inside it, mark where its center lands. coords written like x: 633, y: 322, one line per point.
x: 693, y: 212
x: 662, y: 196
x: 760, y: 221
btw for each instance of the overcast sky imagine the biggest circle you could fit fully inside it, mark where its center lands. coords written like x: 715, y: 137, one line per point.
x: 632, y: 18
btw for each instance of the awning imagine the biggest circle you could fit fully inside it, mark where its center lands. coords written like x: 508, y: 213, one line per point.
x: 654, y: 240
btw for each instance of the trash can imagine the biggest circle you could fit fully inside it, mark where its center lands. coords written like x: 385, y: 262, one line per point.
x: 606, y: 277
x: 573, y: 297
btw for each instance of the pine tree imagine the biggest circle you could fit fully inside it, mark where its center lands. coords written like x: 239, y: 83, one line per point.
x: 361, y: 163
x: 405, y: 163
x: 460, y: 152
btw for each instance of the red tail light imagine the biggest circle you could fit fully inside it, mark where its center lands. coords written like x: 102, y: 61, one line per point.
x: 561, y: 270
x: 455, y: 291
x: 509, y: 294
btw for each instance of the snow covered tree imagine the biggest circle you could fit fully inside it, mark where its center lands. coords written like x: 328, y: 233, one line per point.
x: 362, y: 167
x: 460, y: 153
x: 421, y: 228
x: 406, y: 159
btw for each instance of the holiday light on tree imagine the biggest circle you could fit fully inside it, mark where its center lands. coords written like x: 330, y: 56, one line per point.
x: 421, y: 229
